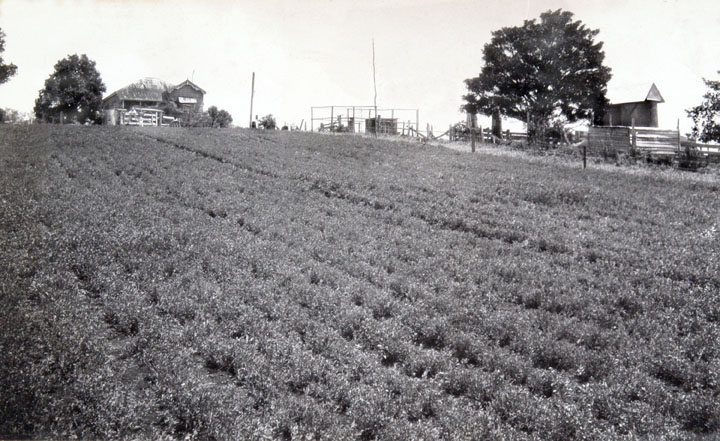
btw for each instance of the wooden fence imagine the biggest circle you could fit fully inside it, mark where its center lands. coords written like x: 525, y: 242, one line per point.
x: 654, y: 141
x: 612, y: 140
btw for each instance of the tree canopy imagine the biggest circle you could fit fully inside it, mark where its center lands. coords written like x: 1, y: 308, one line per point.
x: 220, y: 118
x: 74, y: 91
x: 6, y: 70
x: 548, y: 73
x: 706, y: 116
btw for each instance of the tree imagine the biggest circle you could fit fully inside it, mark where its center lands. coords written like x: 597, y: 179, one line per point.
x: 6, y: 70
x: 72, y: 93
x: 706, y: 116
x: 268, y: 122
x: 546, y: 73
x: 220, y: 118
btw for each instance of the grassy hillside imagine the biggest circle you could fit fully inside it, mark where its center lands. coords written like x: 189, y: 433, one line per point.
x: 216, y: 284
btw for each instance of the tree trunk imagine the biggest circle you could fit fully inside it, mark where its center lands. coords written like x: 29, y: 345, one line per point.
x: 496, y: 124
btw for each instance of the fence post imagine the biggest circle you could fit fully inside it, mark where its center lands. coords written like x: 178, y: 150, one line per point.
x: 472, y: 138
x: 417, y: 122
x: 585, y: 155
x: 482, y: 135
x: 678, y: 134
x: 634, y: 136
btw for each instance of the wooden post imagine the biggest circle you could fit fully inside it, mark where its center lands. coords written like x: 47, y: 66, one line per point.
x: 312, y: 120
x: 678, y: 134
x: 634, y: 136
x: 527, y: 128
x: 332, y: 117
x: 472, y: 139
x: 252, y: 96
x: 482, y: 135
x: 417, y: 121
x: 427, y: 130
x: 585, y: 155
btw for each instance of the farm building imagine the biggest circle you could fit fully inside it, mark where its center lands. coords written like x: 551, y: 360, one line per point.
x: 638, y: 102
x: 146, y: 101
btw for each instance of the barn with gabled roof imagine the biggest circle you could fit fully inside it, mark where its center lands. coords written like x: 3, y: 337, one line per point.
x: 187, y: 95
x: 633, y: 104
x: 147, y: 92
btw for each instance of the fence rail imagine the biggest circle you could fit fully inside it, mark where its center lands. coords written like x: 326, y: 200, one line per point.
x: 654, y: 141
x: 611, y: 140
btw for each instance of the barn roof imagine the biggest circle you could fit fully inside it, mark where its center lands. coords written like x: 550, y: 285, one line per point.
x: 187, y: 83
x: 634, y: 93
x: 146, y: 89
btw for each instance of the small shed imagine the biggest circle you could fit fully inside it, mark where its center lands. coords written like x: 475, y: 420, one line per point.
x: 381, y: 125
x: 637, y: 102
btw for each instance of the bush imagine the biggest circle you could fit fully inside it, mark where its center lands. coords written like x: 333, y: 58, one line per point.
x: 268, y: 122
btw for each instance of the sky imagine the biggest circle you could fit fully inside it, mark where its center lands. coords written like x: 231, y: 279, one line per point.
x: 320, y: 52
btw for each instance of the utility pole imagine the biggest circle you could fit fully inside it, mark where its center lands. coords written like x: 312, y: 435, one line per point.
x: 252, y: 96
x: 377, y: 120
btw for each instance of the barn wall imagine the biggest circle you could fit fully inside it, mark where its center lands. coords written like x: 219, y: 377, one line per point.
x: 112, y: 103
x: 188, y: 92
x: 645, y: 114
x: 110, y: 117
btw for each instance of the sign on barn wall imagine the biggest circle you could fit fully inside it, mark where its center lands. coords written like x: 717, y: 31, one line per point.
x: 184, y: 100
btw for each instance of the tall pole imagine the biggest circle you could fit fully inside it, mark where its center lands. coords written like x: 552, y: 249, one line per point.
x: 252, y: 96
x: 375, y: 89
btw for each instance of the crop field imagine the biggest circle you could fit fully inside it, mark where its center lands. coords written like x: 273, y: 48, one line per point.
x: 232, y: 284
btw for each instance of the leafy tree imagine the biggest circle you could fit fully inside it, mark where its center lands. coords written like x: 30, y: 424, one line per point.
x: 706, y: 116
x: 6, y: 70
x: 268, y: 122
x: 548, y: 73
x: 12, y: 116
x: 220, y: 118
x: 74, y: 91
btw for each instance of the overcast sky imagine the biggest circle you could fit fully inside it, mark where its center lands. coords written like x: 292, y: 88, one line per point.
x: 319, y: 52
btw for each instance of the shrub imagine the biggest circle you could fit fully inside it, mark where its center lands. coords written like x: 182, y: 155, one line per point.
x: 268, y: 122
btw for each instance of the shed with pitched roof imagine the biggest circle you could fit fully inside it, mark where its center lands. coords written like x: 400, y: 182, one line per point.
x: 633, y: 104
